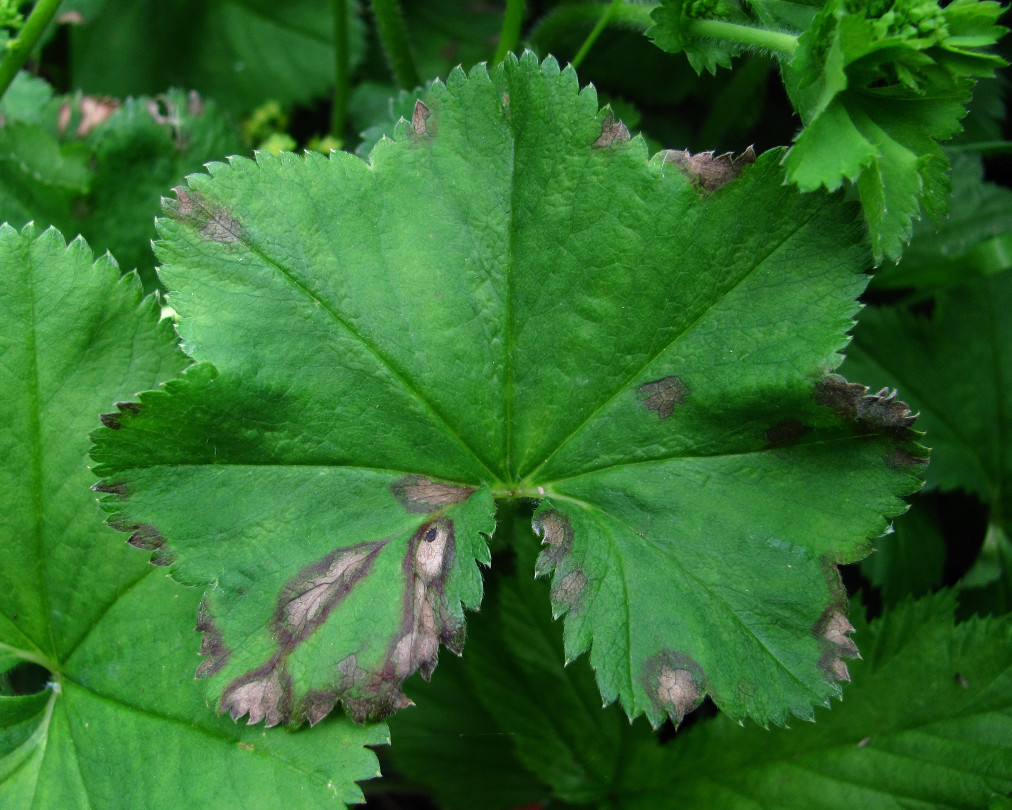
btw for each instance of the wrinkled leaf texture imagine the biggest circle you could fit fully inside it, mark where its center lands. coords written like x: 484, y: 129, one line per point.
x: 510, y: 299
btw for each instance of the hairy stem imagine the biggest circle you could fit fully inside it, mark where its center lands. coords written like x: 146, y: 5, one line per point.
x: 744, y: 35
x: 394, y: 37
x: 19, y: 50
x: 342, y: 68
x: 509, y: 38
x: 602, y: 23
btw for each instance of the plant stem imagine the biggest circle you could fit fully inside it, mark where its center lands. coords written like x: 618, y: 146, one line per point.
x: 19, y: 50
x: 602, y: 23
x: 743, y: 35
x: 394, y: 36
x: 342, y: 68
x: 510, y: 36
x: 557, y: 25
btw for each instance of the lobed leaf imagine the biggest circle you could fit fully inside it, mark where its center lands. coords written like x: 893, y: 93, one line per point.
x: 119, y: 719
x: 511, y: 299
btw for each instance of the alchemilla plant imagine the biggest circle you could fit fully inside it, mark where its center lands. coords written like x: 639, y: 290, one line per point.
x: 524, y: 373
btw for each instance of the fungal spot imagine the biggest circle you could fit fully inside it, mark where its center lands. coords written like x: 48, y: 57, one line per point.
x: 832, y: 629
x: 566, y: 591
x: 307, y: 599
x: 222, y: 227
x: 556, y: 535
x: 611, y: 132
x: 146, y: 537
x: 707, y: 171
x: 212, y: 643
x: 674, y: 683
x: 663, y: 395
x: 786, y: 431
x: 318, y: 705
x: 420, y: 117
x: 114, y: 421
x: 245, y: 746
x: 422, y: 495
x: 111, y: 489
x: 264, y: 694
x: 877, y: 412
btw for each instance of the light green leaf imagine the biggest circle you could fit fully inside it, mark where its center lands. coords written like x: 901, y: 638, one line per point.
x: 510, y: 299
x: 121, y: 719
x: 238, y: 52
x: 974, y: 239
x: 877, y: 86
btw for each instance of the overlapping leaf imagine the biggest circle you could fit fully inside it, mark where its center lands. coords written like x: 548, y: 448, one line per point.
x: 121, y: 723
x: 877, y: 85
x: 98, y: 166
x: 510, y: 299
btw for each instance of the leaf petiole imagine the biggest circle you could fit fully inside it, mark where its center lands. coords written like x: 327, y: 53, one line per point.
x: 744, y: 35
x: 19, y: 50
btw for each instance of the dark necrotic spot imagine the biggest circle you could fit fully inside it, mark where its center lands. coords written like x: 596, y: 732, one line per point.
x: 430, y: 534
x: 212, y: 644
x: 674, y: 682
x: 663, y: 395
x: 110, y: 488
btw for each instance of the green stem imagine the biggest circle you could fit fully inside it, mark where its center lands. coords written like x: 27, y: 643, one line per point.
x: 342, y: 68
x: 602, y: 23
x: 743, y: 35
x: 510, y: 36
x: 557, y: 26
x: 19, y: 50
x: 394, y: 36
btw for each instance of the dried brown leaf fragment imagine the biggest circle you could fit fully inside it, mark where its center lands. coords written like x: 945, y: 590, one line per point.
x: 707, y: 170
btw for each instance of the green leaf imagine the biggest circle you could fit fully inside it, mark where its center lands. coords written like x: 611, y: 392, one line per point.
x: 97, y: 167
x: 924, y: 724
x: 238, y: 52
x: 954, y: 368
x: 974, y: 239
x: 511, y: 299
x: 121, y: 720
x: 877, y: 85
x: 671, y: 32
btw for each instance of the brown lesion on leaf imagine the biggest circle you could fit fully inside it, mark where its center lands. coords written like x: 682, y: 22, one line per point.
x: 426, y: 622
x: 114, y: 421
x: 146, y: 537
x: 663, y: 395
x: 566, y: 590
x: 675, y: 684
x: 420, y: 118
x: 213, y: 222
x: 709, y: 171
x: 880, y: 413
x: 110, y: 488
x: 369, y: 692
x: 422, y: 495
x: 308, y: 598
x: 556, y: 535
x: 263, y: 694
x: 612, y: 131
x: 212, y: 643
x: 786, y: 432
x: 832, y: 630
